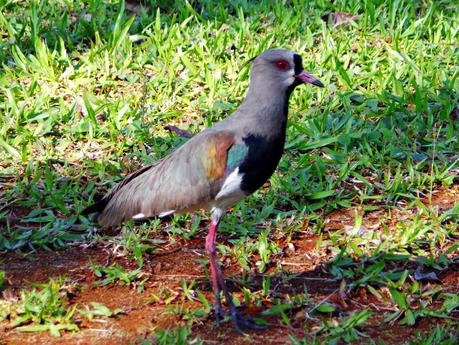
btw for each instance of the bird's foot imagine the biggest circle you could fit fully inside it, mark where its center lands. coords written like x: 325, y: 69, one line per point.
x: 219, y: 313
x: 240, y: 322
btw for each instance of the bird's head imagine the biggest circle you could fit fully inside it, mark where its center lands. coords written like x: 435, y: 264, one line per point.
x: 280, y: 68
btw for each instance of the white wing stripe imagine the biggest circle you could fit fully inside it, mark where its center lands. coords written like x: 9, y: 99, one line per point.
x: 231, y: 186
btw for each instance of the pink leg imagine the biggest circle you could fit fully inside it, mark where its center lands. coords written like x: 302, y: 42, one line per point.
x: 218, y: 282
x: 214, y: 268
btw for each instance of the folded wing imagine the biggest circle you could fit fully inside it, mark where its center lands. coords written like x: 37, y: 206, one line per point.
x: 186, y: 180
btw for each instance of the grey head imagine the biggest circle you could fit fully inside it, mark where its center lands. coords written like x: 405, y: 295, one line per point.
x: 278, y: 70
x: 274, y: 75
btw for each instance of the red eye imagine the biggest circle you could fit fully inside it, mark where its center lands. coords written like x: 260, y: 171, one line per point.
x: 282, y: 65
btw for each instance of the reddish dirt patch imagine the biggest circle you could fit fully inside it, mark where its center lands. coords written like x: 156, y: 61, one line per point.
x: 143, y: 312
x: 39, y: 268
x: 439, y: 201
x: 140, y: 316
x: 303, y: 267
x: 450, y: 279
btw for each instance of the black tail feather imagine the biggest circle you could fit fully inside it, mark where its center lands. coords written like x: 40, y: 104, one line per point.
x: 101, y: 201
x: 97, y: 207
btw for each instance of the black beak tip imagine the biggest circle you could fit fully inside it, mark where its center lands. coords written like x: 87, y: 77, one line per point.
x: 318, y: 83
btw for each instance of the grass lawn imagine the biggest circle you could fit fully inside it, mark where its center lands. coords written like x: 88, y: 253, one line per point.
x: 354, y: 239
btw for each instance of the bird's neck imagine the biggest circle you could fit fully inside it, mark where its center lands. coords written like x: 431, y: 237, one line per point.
x: 268, y: 109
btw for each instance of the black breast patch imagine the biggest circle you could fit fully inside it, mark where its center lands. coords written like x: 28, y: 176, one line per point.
x: 261, y: 161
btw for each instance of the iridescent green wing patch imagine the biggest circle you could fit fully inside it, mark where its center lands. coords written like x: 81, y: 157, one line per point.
x: 236, y: 155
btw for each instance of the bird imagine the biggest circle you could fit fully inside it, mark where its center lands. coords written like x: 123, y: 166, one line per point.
x: 217, y: 167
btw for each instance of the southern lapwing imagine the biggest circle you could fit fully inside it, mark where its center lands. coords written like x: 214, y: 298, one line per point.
x: 219, y: 166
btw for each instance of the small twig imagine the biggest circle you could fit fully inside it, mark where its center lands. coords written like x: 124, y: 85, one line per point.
x: 167, y: 252
x: 378, y: 308
x: 177, y: 276
x: 206, y: 341
x: 295, y: 263
x: 176, y: 130
x: 323, y: 301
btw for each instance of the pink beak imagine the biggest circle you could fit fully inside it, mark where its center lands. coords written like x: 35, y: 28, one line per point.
x: 307, y: 78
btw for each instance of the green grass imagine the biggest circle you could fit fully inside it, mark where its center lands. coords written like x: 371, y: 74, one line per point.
x: 116, y: 274
x: 41, y: 310
x: 48, y: 309
x: 86, y: 89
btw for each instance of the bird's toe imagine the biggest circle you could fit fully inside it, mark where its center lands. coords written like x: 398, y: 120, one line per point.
x: 219, y: 314
x: 240, y: 322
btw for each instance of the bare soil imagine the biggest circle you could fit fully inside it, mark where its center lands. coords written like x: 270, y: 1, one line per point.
x: 150, y: 310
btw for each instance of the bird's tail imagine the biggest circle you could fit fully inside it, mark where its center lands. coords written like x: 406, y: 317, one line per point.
x: 96, y: 208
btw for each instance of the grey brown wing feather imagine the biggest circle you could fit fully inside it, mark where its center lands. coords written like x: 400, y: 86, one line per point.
x: 100, y: 205
x: 186, y: 180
